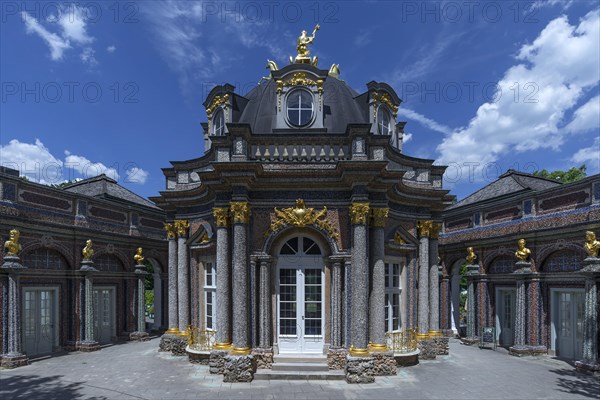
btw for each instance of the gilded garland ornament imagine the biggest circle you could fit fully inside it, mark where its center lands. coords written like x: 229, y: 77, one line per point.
x: 88, y: 251
x: 171, y: 231
x: 221, y: 215
x: 218, y: 101
x: 385, y: 98
x: 12, y: 245
x: 359, y: 213
x: 471, y: 256
x: 592, y: 246
x: 424, y: 227
x: 182, y: 226
x: 138, y: 257
x: 379, y: 216
x: 522, y: 253
x: 300, y: 216
x: 240, y: 211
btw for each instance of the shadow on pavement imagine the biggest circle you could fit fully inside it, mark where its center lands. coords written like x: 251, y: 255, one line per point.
x: 571, y: 381
x: 39, y: 388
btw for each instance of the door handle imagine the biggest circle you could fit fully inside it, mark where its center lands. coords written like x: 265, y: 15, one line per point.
x: 303, y: 318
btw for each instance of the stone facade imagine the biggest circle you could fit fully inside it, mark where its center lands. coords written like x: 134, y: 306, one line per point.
x: 360, y: 370
x: 239, y: 369
x: 336, y: 358
x: 173, y: 343
x: 428, y: 349
x: 384, y: 364
x: 263, y: 357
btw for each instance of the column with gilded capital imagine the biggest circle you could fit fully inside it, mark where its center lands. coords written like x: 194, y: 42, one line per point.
x: 223, y: 339
x: 183, y: 285
x: 434, y: 282
x: 264, y: 302
x: 240, y: 211
x: 423, y: 230
x: 173, y: 311
x: 359, y: 216
x: 377, y: 284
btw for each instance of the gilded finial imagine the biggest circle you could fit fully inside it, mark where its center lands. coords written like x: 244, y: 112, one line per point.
x: 592, y: 246
x: 138, y: 257
x: 303, y: 56
x: 87, y: 251
x: 471, y: 256
x: 12, y: 246
x: 522, y: 252
x: 335, y: 71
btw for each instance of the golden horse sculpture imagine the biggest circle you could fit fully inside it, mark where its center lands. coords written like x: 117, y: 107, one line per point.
x: 138, y: 257
x: 87, y: 251
x: 271, y: 66
x: 12, y: 246
x: 522, y: 252
x: 592, y: 246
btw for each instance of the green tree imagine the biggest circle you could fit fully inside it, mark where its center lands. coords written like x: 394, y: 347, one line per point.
x: 571, y: 175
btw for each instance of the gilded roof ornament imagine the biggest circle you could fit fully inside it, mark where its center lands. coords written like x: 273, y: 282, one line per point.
x: 592, y: 246
x: 138, y: 257
x: 88, y: 251
x: 522, y: 252
x: 300, y: 216
x: 385, y: 98
x: 335, y: 71
x: 12, y: 245
x: 303, y: 56
x: 217, y: 101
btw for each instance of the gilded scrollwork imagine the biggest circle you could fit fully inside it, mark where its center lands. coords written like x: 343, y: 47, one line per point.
x: 171, y: 231
x: 182, y: 226
x: 424, y: 227
x: 384, y: 98
x: 300, y: 216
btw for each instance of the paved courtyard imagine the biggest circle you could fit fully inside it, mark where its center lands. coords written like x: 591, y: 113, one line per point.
x: 138, y: 371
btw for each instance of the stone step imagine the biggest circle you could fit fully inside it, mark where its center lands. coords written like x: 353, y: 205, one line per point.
x: 300, y: 366
x: 267, y: 374
x: 317, y: 358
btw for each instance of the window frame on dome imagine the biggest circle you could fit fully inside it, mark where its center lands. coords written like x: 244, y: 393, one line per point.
x: 218, y: 115
x: 288, y: 99
x: 384, y: 109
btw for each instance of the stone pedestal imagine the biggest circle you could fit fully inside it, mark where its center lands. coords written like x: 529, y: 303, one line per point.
x: 427, y: 349
x: 590, y: 362
x: 359, y: 369
x: 216, y: 361
x: 239, y: 368
x: 336, y: 358
x: 13, y: 357
x: 140, y: 335
x: 174, y: 343
x: 88, y: 344
x: 441, y: 345
x: 384, y: 364
x: 263, y: 357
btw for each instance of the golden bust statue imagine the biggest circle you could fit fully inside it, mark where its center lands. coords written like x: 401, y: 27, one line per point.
x: 87, y: 251
x: 138, y: 258
x: 471, y: 256
x: 12, y: 245
x: 302, y: 47
x: 592, y: 246
x: 522, y: 252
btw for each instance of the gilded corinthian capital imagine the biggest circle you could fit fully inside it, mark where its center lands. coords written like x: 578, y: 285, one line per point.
x: 240, y: 211
x: 424, y: 227
x: 434, y: 233
x: 379, y: 216
x: 182, y: 226
x: 221, y: 215
x: 171, y: 231
x: 359, y: 213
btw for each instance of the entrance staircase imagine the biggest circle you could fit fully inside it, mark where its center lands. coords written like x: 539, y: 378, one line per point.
x: 299, y: 367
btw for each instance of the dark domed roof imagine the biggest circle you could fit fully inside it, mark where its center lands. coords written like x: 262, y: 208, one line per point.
x: 341, y: 106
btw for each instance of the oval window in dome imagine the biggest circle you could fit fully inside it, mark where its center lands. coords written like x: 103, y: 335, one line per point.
x: 300, y: 108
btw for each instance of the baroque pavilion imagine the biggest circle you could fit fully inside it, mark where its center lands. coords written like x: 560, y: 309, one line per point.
x: 303, y: 228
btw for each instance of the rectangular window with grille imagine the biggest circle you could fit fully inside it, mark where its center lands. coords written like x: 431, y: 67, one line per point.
x: 392, y: 297
x: 210, y: 294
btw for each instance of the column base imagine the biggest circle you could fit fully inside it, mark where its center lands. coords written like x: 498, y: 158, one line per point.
x: 139, y: 336
x: 263, y: 357
x: 527, y: 350
x: 174, y: 343
x: 355, y: 352
x: 428, y: 349
x: 336, y: 358
x: 441, y: 345
x: 359, y: 369
x: 88, y: 346
x: 470, y: 340
x: 422, y: 336
x: 172, y: 331
x: 13, y: 360
x: 240, y: 351
x: 374, y: 348
x: 433, y: 333
x: 216, y: 362
x: 384, y: 364
x: 239, y: 368
x: 588, y: 367
x: 223, y: 346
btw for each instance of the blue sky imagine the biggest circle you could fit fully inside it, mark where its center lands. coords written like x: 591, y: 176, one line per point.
x: 117, y: 87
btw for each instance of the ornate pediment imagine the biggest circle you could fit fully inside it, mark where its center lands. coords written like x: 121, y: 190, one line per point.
x: 300, y: 216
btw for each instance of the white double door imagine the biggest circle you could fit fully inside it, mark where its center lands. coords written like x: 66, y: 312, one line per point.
x: 567, y: 326
x: 104, y: 314
x: 40, y: 320
x: 506, y: 300
x: 300, y: 311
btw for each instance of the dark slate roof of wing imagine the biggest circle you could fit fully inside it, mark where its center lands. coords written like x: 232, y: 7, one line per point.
x: 510, y: 182
x: 339, y: 106
x: 104, y: 187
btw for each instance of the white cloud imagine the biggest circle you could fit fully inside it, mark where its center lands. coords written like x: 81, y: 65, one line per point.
x: 32, y: 160
x: 407, y: 137
x: 137, y: 175
x: 589, y: 155
x: 554, y: 73
x: 586, y: 117
x: 88, y: 56
x: 88, y: 168
x: 72, y: 20
x: 56, y: 43
x: 111, y: 48
x: 423, y: 120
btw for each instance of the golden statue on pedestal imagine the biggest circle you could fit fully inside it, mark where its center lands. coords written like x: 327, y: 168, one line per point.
x: 12, y: 245
x: 471, y: 256
x: 522, y: 252
x: 592, y: 246
x: 138, y: 258
x: 303, y: 56
x: 87, y: 251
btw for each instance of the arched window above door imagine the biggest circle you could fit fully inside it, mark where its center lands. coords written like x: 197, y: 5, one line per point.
x: 300, y: 245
